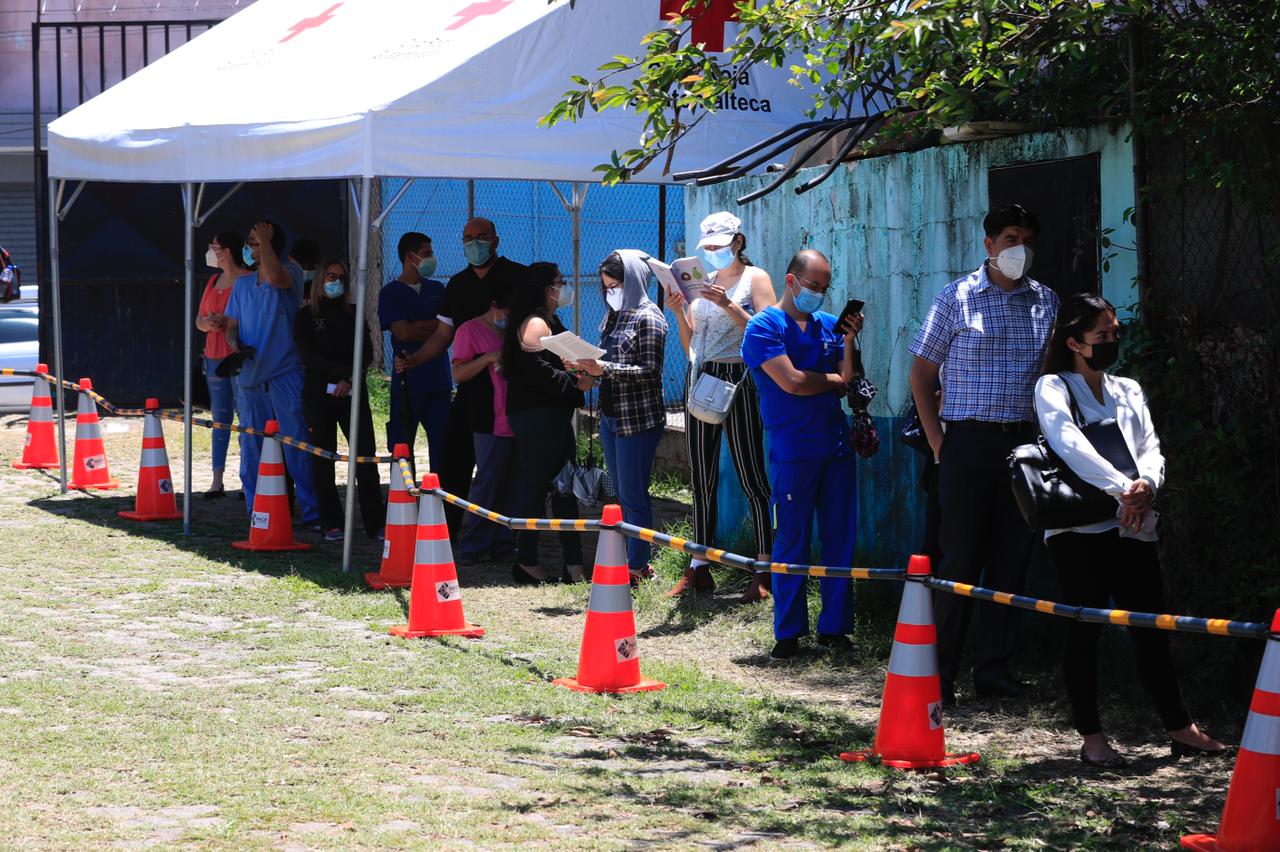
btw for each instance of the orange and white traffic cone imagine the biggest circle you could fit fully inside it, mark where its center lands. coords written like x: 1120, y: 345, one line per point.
x: 396, y: 571
x: 41, y: 450
x: 271, y: 523
x: 910, y: 734
x: 90, y: 467
x: 435, y: 604
x: 609, y: 660
x: 1251, y: 817
x: 155, y: 500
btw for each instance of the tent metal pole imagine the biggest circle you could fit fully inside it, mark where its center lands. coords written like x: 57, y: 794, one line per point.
x: 471, y: 199
x: 357, y: 374
x: 391, y: 205
x: 55, y: 278
x: 355, y: 202
x: 201, y: 218
x: 62, y: 213
x: 188, y: 319
x: 579, y: 196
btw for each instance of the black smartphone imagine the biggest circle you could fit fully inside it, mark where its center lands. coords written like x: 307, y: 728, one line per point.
x: 851, y: 308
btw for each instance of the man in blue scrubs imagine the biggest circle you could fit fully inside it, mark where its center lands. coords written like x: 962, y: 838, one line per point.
x: 801, y: 364
x: 260, y: 314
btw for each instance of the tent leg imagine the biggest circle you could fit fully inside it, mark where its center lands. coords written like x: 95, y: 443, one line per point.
x: 55, y: 278
x: 357, y: 374
x: 188, y: 319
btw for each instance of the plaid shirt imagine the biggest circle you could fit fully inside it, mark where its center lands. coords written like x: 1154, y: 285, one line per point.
x: 990, y: 344
x: 632, y: 386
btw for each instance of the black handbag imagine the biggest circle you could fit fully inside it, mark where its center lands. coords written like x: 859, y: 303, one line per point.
x: 1050, y: 495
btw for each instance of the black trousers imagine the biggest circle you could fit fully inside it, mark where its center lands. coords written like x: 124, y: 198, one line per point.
x: 544, y: 442
x: 984, y: 541
x: 325, y: 414
x: 1093, y: 570
x: 458, y: 463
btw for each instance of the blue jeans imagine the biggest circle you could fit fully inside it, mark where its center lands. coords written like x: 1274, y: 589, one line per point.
x: 222, y: 408
x: 803, y: 490
x: 279, y: 399
x: 629, y: 460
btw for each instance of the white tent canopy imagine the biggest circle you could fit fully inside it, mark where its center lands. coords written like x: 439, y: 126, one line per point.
x: 316, y: 89
x: 369, y: 88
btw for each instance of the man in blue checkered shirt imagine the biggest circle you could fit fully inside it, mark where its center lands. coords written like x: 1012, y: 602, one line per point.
x: 985, y: 336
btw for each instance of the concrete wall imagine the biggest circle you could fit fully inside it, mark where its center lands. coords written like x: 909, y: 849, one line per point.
x: 897, y: 229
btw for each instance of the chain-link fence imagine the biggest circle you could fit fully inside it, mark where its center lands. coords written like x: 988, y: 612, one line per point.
x: 534, y: 224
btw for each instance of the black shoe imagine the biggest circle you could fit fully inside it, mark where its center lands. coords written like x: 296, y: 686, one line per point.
x: 948, y: 694
x: 785, y: 649
x: 522, y: 577
x: 215, y: 494
x: 836, y: 642
x: 1117, y: 762
x: 1181, y: 749
x: 999, y: 686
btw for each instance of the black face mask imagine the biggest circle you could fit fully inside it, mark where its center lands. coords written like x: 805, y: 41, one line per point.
x: 1104, y: 355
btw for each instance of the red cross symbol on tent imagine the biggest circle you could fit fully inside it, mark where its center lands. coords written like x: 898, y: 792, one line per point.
x: 708, y: 21
x: 311, y: 23
x: 475, y: 10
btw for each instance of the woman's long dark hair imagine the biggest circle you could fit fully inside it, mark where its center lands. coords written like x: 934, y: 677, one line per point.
x: 529, y: 299
x: 1076, y: 315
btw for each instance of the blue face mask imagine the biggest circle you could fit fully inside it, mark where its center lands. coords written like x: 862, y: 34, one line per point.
x: 247, y: 255
x: 427, y: 266
x: 500, y: 323
x: 334, y: 289
x: 719, y: 258
x: 477, y: 252
x: 808, y: 301
x: 308, y: 275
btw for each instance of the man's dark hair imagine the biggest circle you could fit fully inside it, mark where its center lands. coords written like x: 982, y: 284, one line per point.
x: 305, y: 252
x: 1009, y: 216
x: 800, y: 261
x: 278, y: 240
x: 410, y: 242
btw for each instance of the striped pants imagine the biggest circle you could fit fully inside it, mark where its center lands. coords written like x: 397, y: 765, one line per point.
x: 745, y: 433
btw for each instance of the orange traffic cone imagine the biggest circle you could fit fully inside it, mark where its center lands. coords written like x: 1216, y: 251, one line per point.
x: 90, y: 469
x: 155, y: 500
x: 396, y: 571
x: 271, y: 524
x: 41, y: 450
x: 910, y: 735
x: 1251, y: 817
x: 609, y: 660
x: 435, y: 604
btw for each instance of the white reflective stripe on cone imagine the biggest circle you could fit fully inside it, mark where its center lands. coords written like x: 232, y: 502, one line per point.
x: 917, y: 605
x: 271, y: 485
x: 1261, y: 734
x: 610, y: 598
x: 271, y: 452
x: 401, y: 514
x: 151, y: 427
x: 84, y: 405
x: 87, y: 430
x: 433, y: 552
x: 40, y: 414
x: 1269, y: 673
x: 611, y: 549
x: 430, y: 511
x: 154, y: 458
x: 397, y: 478
x: 913, y: 660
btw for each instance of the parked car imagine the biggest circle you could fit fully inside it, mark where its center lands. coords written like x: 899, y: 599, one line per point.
x: 19, y: 350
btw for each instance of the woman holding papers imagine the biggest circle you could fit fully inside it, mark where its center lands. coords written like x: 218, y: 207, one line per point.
x: 632, y: 415
x: 711, y: 329
x: 541, y: 399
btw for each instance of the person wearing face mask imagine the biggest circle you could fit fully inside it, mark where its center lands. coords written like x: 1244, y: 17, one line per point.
x: 305, y: 254
x: 260, y: 315
x: 801, y: 364
x: 477, y: 348
x: 711, y: 329
x: 984, y: 337
x: 467, y: 296
x: 632, y: 413
x: 1116, y: 559
x: 223, y: 254
x: 408, y: 307
x: 541, y: 398
x: 324, y: 333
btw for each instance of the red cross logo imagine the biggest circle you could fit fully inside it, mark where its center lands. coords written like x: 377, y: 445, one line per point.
x: 311, y: 23
x: 708, y: 21
x: 475, y: 10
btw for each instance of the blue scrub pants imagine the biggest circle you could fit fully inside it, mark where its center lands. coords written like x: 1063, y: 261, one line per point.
x: 279, y: 399
x: 827, y: 489
x: 430, y: 411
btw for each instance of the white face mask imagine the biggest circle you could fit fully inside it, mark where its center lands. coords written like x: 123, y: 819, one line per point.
x: 565, y: 297
x: 211, y: 258
x: 1014, y: 261
x: 613, y: 298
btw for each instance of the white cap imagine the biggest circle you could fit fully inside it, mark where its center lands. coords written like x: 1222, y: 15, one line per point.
x: 719, y: 229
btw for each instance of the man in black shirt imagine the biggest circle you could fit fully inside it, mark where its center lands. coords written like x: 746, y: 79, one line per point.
x: 468, y: 295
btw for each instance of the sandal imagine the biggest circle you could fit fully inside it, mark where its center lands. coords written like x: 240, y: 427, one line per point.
x: 1117, y: 762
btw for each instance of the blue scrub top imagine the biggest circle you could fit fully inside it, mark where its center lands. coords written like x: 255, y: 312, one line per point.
x: 265, y: 315
x: 397, y: 301
x: 801, y: 428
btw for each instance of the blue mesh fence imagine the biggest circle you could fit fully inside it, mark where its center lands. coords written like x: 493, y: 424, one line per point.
x: 534, y: 225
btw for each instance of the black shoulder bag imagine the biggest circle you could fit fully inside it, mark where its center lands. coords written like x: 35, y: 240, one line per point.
x: 1050, y: 495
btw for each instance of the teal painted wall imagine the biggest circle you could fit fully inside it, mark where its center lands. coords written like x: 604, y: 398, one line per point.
x: 898, y: 229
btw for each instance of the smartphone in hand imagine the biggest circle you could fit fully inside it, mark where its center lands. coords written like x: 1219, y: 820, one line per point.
x: 851, y: 308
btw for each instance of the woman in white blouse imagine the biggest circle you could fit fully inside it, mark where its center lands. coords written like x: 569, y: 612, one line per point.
x: 1115, y: 560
